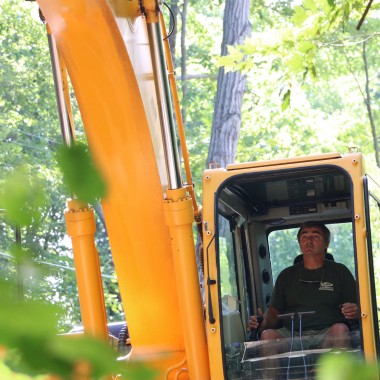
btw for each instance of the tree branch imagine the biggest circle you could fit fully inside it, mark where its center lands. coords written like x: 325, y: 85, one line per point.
x: 368, y: 105
x: 183, y: 57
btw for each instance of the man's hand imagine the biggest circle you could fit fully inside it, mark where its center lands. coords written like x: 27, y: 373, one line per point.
x: 350, y: 310
x: 253, y: 320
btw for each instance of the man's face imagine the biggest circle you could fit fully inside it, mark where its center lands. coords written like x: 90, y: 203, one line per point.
x: 312, y: 241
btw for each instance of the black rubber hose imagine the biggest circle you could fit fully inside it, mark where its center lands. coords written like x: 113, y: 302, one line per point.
x: 122, y: 346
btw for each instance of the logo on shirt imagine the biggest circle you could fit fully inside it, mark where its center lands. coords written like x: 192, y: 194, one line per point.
x: 327, y: 286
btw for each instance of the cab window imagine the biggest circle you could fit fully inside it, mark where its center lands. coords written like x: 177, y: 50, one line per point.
x: 284, y: 248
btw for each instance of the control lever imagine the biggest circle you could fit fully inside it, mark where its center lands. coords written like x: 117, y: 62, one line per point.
x: 305, y: 313
x: 300, y: 315
x: 253, y: 335
x: 285, y: 316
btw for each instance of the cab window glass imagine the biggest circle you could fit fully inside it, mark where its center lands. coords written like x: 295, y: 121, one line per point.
x: 257, y: 225
x: 233, y: 297
x: 283, y: 247
x: 227, y: 262
x: 374, y: 205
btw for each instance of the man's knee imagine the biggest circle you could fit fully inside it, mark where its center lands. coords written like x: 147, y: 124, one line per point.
x: 338, y: 328
x: 270, y: 334
x: 337, y: 337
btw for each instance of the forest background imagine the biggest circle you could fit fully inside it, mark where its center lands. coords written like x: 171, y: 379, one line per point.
x: 290, y: 97
x: 303, y: 80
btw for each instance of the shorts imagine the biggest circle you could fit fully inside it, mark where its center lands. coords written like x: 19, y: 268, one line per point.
x: 311, y: 339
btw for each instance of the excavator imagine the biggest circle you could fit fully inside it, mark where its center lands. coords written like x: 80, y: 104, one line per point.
x: 116, y: 57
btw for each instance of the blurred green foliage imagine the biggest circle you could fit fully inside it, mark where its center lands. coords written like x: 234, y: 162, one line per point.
x: 29, y: 139
x: 29, y: 328
x: 6, y: 373
x: 23, y: 197
x: 80, y: 174
x: 346, y: 366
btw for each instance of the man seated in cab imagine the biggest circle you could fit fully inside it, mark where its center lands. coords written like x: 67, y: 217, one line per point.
x: 313, y: 285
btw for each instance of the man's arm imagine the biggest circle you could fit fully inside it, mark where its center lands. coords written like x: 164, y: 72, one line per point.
x: 270, y: 320
x: 350, y: 310
x: 349, y: 307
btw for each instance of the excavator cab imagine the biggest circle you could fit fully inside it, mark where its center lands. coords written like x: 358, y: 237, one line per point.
x: 251, y: 236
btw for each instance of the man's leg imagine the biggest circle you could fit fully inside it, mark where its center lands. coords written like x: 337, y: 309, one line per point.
x: 271, y: 334
x: 337, y: 337
x: 278, y: 344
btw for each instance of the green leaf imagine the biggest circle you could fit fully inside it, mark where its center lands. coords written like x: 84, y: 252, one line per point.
x: 345, y: 366
x: 77, y: 349
x: 16, y: 322
x: 313, y: 71
x: 310, y: 4
x: 306, y: 46
x: 80, y: 174
x: 233, y: 59
x: 299, y: 16
x: 26, y: 327
x: 138, y: 371
x: 101, y: 358
x: 28, y: 330
x: 295, y: 62
x: 6, y: 373
x: 286, y: 100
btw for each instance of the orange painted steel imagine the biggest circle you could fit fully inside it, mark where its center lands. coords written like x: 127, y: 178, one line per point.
x: 80, y: 223
x: 179, y: 217
x: 118, y: 134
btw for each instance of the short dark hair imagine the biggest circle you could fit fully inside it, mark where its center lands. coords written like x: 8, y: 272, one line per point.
x: 325, y: 230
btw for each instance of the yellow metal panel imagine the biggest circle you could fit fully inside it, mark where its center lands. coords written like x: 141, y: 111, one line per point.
x: 354, y: 165
x: 118, y: 134
x: 285, y: 161
x: 357, y: 170
x: 211, y: 181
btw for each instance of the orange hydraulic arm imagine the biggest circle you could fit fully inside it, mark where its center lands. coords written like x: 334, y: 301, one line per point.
x: 154, y: 261
x: 178, y: 209
x: 80, y: 219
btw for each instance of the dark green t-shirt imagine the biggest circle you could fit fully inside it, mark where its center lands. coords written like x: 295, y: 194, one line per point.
x: 321, y: 290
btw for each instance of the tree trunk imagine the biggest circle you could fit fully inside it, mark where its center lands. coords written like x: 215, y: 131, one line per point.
x: 231, y: 86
